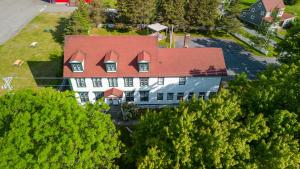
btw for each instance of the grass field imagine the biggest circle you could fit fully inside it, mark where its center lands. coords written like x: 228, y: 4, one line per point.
x: 294, y: 9
x: 45, y: 60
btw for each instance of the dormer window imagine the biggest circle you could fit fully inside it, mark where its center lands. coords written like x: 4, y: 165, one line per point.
x: 77, y: 67
x: 77, y: 61
x: 110, y: 61
x: 144, y: 61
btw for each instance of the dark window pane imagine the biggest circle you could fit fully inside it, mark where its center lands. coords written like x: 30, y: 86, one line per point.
x: 160, y: 96
x: 180, y: 96
x: 144, y: 96
x: 170, y: 96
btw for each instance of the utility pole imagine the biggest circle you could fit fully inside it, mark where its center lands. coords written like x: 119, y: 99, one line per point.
x: 171, y: 36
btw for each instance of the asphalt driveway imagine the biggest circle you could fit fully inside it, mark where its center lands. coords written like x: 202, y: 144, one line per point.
x: 237, y: 59
x: 14, y: 15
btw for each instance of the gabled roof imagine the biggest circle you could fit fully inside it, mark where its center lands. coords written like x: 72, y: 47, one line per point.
x: 172, y: 62
x: 113, y: 92
x: 284, y: 17
x: 272, y: 4
x: 111, y: 56
x: 144, y: 56
x: 78, y: 56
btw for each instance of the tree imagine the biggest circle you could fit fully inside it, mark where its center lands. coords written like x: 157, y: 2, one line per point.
x: 136, y: 11
x: 171, y: 12
x: 217, y: 133
x: 49, y: 129
x: 289, y: 48
x: 79, y: 22
x: 229, y: 17
x: 97, y: 13
x: 202, y: 12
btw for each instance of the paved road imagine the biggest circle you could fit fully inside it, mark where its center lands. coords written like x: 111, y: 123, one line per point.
x: 237, y: 59
x: 15, y: 14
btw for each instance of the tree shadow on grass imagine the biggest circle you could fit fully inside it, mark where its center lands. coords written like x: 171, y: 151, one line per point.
x: 59, y: 32
x: 47, y: 73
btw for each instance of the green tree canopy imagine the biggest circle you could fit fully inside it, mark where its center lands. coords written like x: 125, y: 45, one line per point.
x: 79, y: 21
x: 136, y: 11
x: 97, y: 13
x: 49, y: 129
x: 171, y: 12
x: 215, y: 134
x: 289, y: 49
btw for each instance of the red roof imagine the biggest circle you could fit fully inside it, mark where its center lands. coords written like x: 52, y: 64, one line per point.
x: 78, y: 56
x: 113, y: 92
x: 111, y: 56
x: 284, y: 17
x: 172, y: 62
x: 272, y: 4
x: 144, y: 56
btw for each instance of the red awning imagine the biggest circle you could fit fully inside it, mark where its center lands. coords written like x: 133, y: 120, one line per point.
x: 113, y: 92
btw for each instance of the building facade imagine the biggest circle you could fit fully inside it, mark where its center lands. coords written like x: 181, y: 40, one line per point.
x: 133, y: 69
x: 262, y: 10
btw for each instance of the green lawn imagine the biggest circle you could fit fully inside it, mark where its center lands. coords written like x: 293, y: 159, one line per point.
x: 246, y: 3
x: 45, y: 60
x: 294, y: 9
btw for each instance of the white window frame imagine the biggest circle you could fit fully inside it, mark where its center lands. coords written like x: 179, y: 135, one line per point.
x: 160, y: 96
x: 84, y: 97
x: 97, y: 82
x: 128, y: 81
x: 182, y: 80
x: 80, y: 82
x: 144, y: 81
x: 110, y: 68
x: 160, y: 81
x: 143, y: 67
x: 112, y: 82
x: 170, y: 98
x: 144, y: 94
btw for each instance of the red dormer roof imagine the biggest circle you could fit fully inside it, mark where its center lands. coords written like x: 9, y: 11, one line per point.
x: 272, y: 4
x: 111, y: 56
x: 113, y: 92
x: 144, y: 56
x: 78, y: 56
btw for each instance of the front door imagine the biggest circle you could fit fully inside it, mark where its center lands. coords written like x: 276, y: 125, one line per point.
x: 115, y: 102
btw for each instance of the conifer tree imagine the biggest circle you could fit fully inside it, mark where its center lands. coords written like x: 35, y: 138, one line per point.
x: 171, y: 12
x: 97, y: 13
x: 79, y: 21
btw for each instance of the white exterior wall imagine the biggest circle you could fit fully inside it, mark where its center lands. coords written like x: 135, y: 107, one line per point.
x: 171, y: 85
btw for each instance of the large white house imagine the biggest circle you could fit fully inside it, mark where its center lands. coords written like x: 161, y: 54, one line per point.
x: 134, y: 69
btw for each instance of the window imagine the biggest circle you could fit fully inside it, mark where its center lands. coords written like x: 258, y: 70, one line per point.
x: 170, y: 96
x: 129, y: 96
x: 144, y: 96
x: 143, y: 67
x: 182, y: 80
x: 160, y: 81
x: 97, y: 82
x: 191, y: 94
x: 80, y: 82
x: 160, y: 96
x: 201, y: 95
x: 262, y: 13
x: 113, y: 82
x: 84, y: 96
x: 252, y: 16
x: 253, y: 10
x: 259, y: 4
x: 180, y: 96
x: 98, y: 95
x: 77, y: 67
x: 128, y: 82
x: 111, y: 67
x: 144, y: 81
